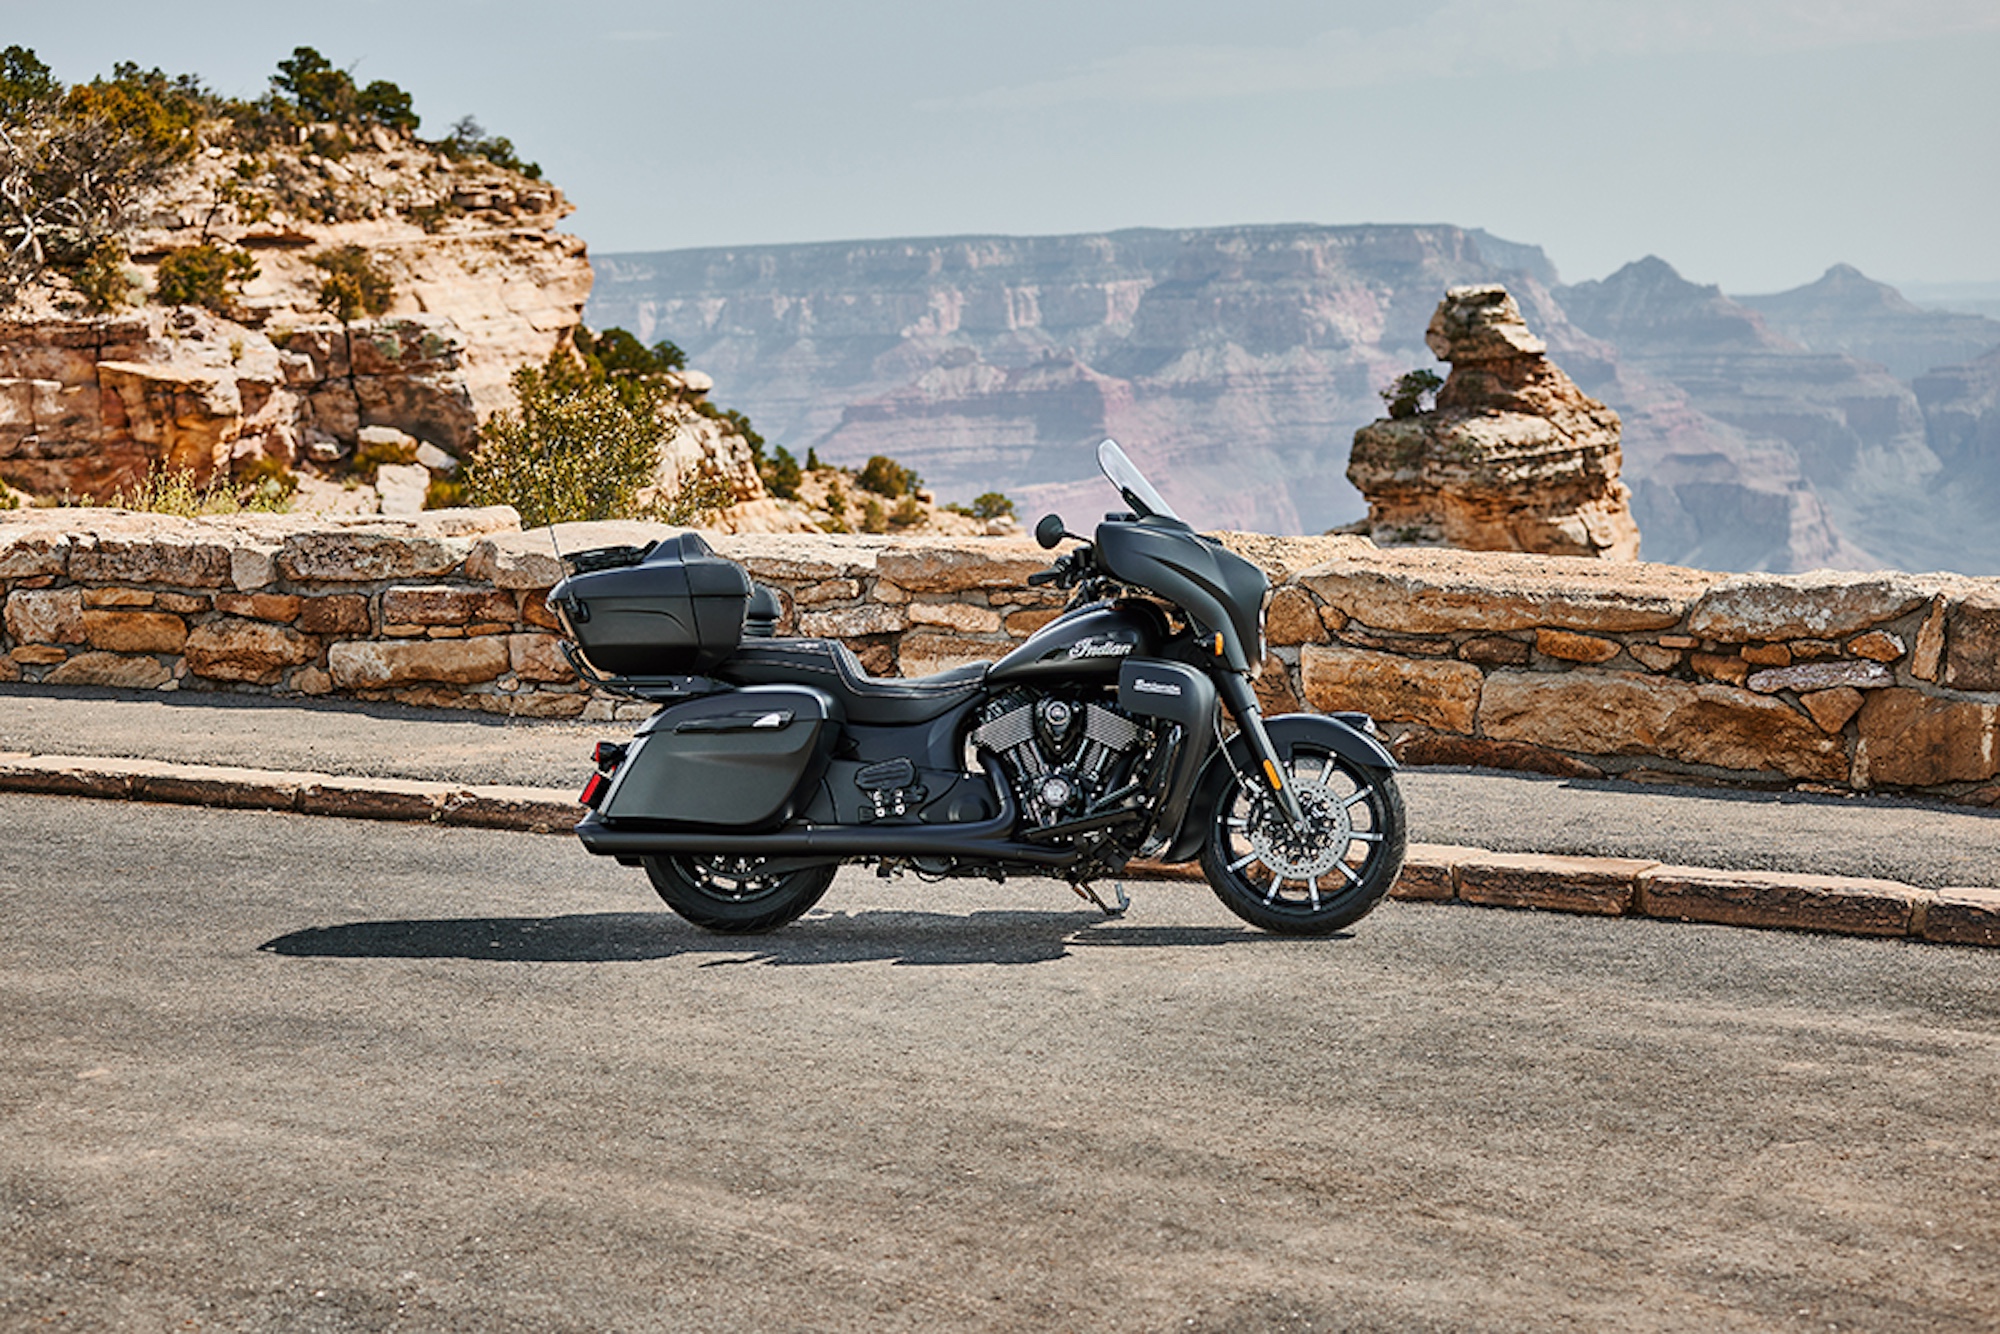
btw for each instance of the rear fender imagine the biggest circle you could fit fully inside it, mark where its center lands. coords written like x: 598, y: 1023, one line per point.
x: 1335, y: 733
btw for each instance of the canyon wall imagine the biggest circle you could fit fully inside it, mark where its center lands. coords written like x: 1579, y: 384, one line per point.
x: 1563, y: 665
x: 1235, y: 364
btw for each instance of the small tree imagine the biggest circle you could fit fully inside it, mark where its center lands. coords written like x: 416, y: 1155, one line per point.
x: 991, y: 505
x: 886, y: 477
x: 203, y: 275
x: 354, y: 284
x: 783, y: 475
x: 1407, y: 394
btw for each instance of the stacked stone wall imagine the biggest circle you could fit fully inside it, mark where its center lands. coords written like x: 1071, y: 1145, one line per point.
x: 1559, y: 665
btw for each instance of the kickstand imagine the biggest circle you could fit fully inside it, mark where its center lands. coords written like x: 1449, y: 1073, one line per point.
x: 1117, y: 887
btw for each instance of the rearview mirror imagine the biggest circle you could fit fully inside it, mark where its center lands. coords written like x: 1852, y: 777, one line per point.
x: 1050, y: 531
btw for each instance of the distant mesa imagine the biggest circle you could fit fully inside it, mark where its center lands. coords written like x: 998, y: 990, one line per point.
x: 1514, y: 457
x: 1236, y: 363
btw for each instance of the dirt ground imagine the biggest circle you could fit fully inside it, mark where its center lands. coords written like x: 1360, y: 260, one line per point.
x: 265, y: 1072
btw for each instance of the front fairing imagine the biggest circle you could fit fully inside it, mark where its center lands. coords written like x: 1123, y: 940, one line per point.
x: 1218, y: 589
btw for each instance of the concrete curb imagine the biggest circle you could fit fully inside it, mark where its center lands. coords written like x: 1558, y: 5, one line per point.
x: 1432, y: 872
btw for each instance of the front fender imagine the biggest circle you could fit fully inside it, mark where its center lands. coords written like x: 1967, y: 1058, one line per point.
x: 1335, y: 733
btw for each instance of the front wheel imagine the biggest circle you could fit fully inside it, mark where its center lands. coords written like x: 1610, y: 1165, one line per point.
x: 736, y: 895
x: 1314, y: 880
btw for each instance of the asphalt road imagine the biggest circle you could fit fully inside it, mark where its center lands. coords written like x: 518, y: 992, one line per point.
x: 1920, y: 843
x: 268, y: 1072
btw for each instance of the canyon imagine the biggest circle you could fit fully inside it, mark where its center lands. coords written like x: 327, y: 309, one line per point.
x: 1835, y: 425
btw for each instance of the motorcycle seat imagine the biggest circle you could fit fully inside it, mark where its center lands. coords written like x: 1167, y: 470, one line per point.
x: 869, y: 700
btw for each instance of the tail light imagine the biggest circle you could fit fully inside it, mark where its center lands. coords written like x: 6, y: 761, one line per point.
x: 607, y: 755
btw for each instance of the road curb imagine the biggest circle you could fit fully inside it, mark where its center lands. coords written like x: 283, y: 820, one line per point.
x: 1432, y: 872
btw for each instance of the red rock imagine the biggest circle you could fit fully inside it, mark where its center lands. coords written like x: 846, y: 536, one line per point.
x: 1592, y: 713
x: 1572, y: 647
x: 1443, y: 694
x: 1602, y: 885
x: 1514, y: 458
x: 1832, y: 709
x: 1840, y: 904
x: 234, y: 649
x: 135, y: 631
x: 1964, y: 915
x: 1908, y: 739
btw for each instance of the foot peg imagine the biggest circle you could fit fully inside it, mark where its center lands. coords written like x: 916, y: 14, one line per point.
x: 1089, y: 894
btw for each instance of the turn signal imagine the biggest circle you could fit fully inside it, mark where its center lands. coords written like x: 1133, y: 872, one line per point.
x: 593, y: 791
x: 608, y: 754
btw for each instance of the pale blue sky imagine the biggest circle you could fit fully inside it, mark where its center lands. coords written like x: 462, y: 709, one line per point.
x: 1750, y: 142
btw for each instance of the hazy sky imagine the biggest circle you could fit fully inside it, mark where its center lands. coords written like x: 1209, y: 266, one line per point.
x: 1750, y: 142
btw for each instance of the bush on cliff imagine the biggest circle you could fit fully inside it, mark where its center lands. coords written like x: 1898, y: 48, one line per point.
x: 354, y: 284
x: 886, y: 477
x: 203, y: 275
x: 578, y: 447
x: 1407, y: 394
x: 468, y: 138
x: 76, y: 163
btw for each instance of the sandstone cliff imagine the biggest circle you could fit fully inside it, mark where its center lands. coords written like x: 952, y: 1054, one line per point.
x: 480, y: 283
x: 1513, y: 458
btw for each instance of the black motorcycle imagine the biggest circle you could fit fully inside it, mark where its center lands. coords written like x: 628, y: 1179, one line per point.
x: 1099, y: 739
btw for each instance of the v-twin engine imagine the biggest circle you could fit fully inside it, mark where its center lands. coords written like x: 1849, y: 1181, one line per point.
x: 1063, y: 756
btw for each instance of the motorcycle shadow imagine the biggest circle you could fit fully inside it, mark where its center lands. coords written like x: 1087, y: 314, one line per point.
x: 904, y: 939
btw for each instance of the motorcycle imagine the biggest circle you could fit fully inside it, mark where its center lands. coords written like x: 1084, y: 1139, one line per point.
x: 1099, y: 739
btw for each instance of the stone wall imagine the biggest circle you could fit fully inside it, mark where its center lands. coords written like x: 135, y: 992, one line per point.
x: 1554, y: 664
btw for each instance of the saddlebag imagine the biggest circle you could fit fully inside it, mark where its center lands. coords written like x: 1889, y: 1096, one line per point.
x: 674, y: 609
x: 738, y: 758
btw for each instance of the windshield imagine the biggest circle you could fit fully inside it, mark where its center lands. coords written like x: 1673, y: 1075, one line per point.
x: 1131, y: 483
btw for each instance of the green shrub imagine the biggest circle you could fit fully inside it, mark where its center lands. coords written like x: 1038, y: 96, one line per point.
x: 907, y: 513
x: 354, y: 284
x: 203, y: 275
x: 874, y: 519
x: 615, y: 352
x: 105, y: 278
x: 468, y: 139
x: 576, y: 448
x: 1406, y: 394
x: 783, y: 475
x: 886, y: 477
x: 991, y: 505
x: 308, y: 84
x: 168, y: 490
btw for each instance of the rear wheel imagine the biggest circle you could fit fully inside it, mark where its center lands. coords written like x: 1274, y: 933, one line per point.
x: 735, y: 894
x: 1317, y: 879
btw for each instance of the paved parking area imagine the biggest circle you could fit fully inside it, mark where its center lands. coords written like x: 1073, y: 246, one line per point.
x: 270, y: 1072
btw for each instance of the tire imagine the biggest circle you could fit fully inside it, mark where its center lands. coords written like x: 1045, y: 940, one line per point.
x: 726, y: 894
x: 1352, y: 803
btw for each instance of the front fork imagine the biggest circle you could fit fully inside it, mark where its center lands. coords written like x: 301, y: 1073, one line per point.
x: 1241, y: 701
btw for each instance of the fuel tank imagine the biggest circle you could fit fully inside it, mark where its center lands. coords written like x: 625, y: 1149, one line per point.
x: 1088, y: 644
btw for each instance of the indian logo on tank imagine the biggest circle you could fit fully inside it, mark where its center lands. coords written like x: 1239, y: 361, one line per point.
x: 1100, y: 648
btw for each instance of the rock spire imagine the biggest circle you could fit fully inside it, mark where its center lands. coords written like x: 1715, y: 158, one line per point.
x: 1513, y: 458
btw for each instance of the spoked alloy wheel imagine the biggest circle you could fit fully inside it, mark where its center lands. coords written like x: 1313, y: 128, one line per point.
x: 1317, y: 879
x: 735, y: 894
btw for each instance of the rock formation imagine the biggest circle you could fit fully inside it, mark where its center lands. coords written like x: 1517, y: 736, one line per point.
x: 481, y: 283
x: 1234, y: 363
x: 1514, y: 457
